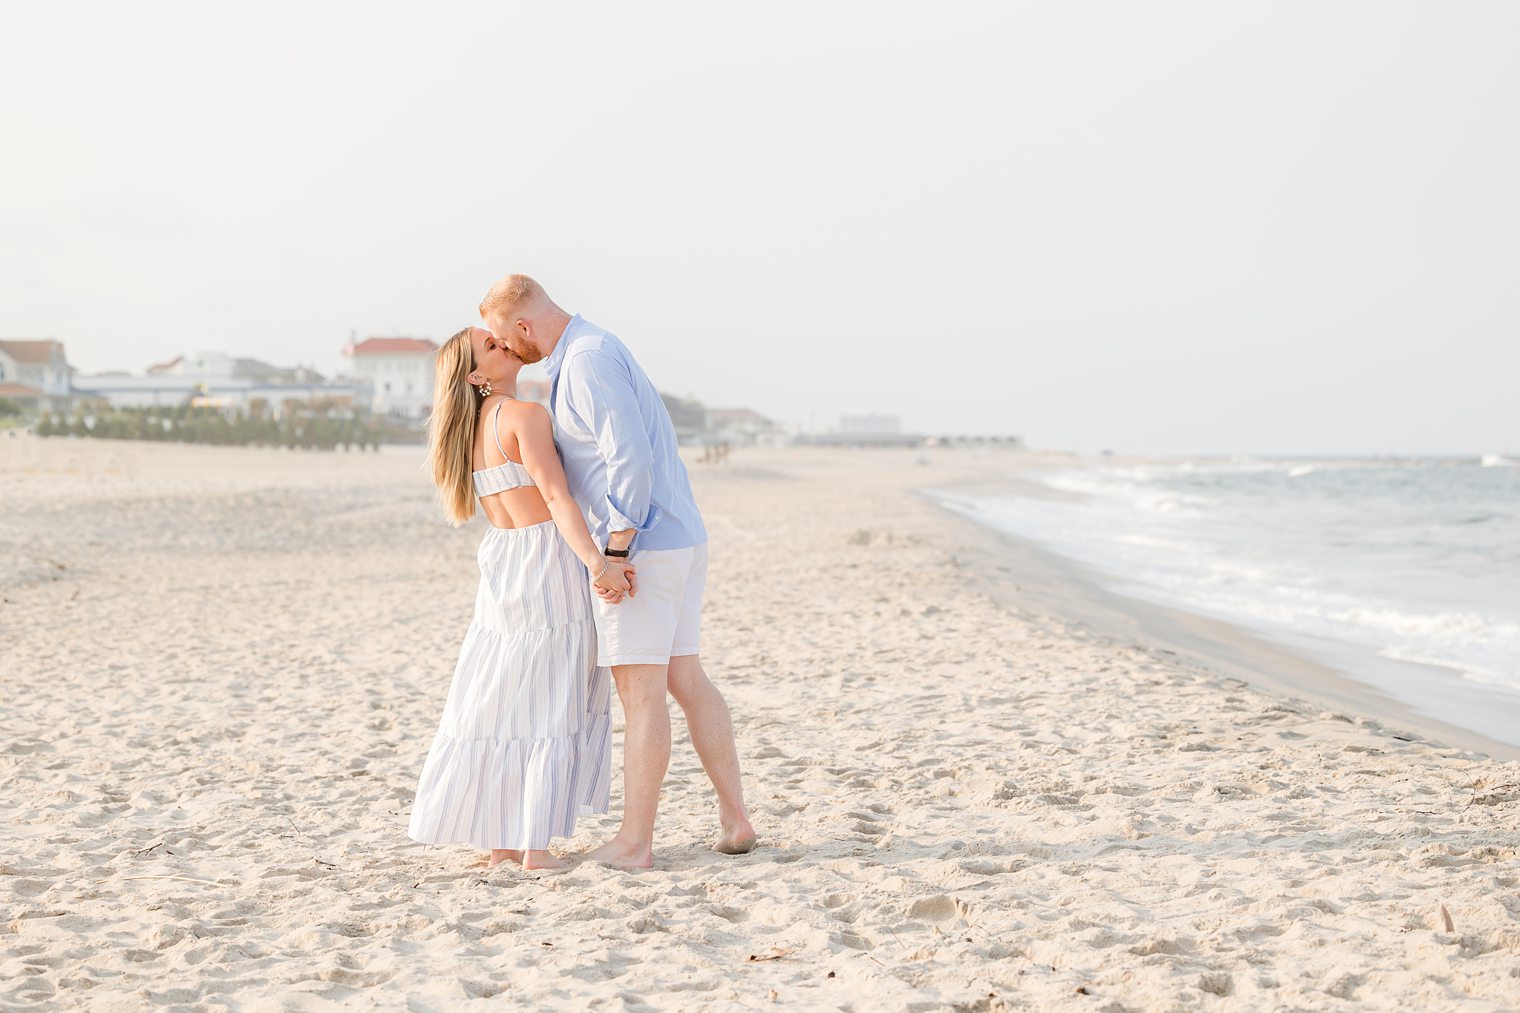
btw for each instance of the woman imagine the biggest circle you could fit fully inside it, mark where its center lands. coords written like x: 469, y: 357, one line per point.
x: 525, y: 741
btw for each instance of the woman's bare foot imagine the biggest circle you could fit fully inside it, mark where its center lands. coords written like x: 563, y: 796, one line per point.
x: 539, y: 861
x: 499, y: 855
x: 737, y: 838
x: 623, y: 856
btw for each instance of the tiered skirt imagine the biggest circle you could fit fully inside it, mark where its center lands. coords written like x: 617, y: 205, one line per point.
x: 525, y: 742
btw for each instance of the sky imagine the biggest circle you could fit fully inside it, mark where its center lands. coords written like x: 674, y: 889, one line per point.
x: 1286, y: 228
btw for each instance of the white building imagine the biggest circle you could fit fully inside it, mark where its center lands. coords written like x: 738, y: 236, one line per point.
x: 35, y: 373
x: 743, y: 427
x: 221, y: 366
x: 399, y: 372
x: 231, y: 394
x: 215, y: 379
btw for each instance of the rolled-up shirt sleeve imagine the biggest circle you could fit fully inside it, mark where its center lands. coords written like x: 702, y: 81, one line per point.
x: 600, y: 392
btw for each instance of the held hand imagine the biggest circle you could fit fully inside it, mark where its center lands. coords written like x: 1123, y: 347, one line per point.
x: 619, y: 580
x: 613, y: 579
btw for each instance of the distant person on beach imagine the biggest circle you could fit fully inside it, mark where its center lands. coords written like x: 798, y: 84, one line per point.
x: 524, y: 745
x: 619, y: 450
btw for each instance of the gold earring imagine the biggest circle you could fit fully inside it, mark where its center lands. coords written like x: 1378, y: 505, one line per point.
x: 485, y: 388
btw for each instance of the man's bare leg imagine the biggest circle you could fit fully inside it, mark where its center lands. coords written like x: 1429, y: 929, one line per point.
x: 712, y: 735
x: 646, y: 756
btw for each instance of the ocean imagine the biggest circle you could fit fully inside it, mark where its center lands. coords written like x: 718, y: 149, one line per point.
x: 1372, y: 560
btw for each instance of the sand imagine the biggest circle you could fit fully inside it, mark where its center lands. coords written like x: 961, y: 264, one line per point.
x: 222, y: 668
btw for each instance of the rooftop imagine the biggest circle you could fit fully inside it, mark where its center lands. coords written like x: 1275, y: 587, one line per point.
x: 31, y: 351
x: 723, y: 416
x: 390, y: 346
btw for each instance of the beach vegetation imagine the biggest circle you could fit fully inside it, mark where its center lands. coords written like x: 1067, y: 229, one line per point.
x: 324, y: 424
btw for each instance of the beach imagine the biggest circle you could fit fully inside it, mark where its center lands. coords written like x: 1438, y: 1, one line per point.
x: 978, y: 783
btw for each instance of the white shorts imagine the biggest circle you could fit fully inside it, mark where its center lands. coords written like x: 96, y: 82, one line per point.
x: 665, y: 620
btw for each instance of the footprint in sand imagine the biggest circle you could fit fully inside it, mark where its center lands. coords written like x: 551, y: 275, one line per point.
x: 937, y: 908
x: 854, y: 942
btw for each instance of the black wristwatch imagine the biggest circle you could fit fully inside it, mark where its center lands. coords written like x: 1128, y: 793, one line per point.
x: 615, y: 553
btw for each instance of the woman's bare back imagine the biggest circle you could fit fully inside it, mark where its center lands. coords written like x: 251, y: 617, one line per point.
x: 513, y: 508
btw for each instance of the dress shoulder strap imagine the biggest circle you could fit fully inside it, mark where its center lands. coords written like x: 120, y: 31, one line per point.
x: 496, y: 427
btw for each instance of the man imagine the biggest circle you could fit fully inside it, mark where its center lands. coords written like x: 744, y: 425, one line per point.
x: 619, y: 451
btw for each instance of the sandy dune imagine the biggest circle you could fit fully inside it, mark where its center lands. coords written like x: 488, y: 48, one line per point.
x: 222, y: 668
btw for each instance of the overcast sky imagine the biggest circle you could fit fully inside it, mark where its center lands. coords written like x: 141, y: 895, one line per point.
x: 1155, y: 227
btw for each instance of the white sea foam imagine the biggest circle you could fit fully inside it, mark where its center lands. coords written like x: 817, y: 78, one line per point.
x: 1387, y: 555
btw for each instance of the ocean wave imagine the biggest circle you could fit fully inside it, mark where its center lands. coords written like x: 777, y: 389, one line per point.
x: 1358, y: 556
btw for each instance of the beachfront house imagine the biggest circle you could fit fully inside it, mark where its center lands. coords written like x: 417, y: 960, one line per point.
x: 398, y: 372
x: 218, y: 380
x: 743, y: 427
x: 220, y: 365
x: 689, y: 417
x: 35, y: 374
x: 864, y: 431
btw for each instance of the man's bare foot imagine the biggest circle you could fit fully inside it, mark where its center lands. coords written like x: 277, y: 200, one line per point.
x: 737, y: 838
x: 499, y: 855
x: 622, y: 856
x: 542, y: 861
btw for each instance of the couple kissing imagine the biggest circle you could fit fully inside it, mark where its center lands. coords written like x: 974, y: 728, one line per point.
x: 592, y: 570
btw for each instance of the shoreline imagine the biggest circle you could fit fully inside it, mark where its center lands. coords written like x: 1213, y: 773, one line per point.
x: 228, y: 666
x: 1041, y: 581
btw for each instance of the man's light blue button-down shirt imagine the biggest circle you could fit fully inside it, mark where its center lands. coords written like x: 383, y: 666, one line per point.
x: 618, y: 443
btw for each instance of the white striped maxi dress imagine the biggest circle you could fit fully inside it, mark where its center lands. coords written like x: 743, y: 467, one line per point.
x: 525, y: 741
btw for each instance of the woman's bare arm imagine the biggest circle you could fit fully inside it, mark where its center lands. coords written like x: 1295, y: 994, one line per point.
x: 535, y: 442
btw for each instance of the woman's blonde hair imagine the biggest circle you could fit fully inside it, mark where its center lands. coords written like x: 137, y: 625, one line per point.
x: 451, y: 428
